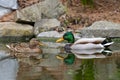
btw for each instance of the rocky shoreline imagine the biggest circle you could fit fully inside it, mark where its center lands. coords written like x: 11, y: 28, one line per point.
x: 41, y: 20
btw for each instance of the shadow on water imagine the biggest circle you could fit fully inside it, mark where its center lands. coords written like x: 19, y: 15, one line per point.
x: 57, y: 64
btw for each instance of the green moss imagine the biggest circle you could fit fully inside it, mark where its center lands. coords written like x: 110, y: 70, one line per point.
x: 87, y: 2
x: 8, y: 39
x: 116, y: 40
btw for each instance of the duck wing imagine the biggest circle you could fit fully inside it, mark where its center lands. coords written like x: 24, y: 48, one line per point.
x: 86, y: 46
x: 89, y: 40
x: 17, y: 47
x: 87, y: 51
x: 11, y: 46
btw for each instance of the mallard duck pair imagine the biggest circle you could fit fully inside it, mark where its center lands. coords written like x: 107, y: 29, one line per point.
x: 32, y: 46
x: 83, y: 43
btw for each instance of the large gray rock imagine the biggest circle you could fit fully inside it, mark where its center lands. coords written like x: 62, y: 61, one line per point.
x: 51, y: 8
x: 45, y: 25
x: 9, y: 4
x: 15, y: 29
x: 32, y: 13
x: 6, y: 6
x: 9, y: 67
x: 101, y: 29
x: 4, y: 11
x: 48, y: 9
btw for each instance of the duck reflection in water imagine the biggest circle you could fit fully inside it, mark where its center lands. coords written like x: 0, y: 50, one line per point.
x: 84, y: 54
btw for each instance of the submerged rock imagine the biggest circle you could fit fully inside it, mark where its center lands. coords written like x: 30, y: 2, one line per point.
x: 8, y: 66
x: 51, y: 61
x: 9, y: 69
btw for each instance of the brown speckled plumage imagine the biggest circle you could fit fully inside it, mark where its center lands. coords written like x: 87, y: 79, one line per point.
x: 32, y: 46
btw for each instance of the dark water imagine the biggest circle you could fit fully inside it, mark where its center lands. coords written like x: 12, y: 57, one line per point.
x: 102, y: 65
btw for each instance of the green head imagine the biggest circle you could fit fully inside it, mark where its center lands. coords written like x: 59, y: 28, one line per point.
x: 69, y: 60
x: 67, y: 36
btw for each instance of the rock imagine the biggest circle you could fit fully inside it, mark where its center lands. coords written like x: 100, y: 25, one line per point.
x: 101, y: 29
x: 15, y: 29
x: 4, y: 55
x: 45, y: 25
x: 31, y: 14
x: 53, y: 34
x: 4, y: 11
x: 9, y: 4
x: 6, y: 6
x: 48, y: 9
x: 9, y: 67
x: 51, y: 8
x: 8, y: 64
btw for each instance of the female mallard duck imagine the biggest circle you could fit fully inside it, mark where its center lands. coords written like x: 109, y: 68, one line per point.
x: 32, y: 46
x: 85, y: 43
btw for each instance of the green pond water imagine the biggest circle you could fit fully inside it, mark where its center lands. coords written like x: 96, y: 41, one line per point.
x: 102, y: 65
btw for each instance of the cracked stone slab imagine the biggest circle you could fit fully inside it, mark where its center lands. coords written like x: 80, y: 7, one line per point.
x: 44, y: 9
x: 31, y: 14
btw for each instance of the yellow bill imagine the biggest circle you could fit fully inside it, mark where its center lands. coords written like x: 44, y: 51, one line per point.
x: 60, y: 39
x: 41, y: 44
x: 60, y: 57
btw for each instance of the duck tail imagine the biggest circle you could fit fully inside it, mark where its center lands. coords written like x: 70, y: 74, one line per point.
x: 107, y: 52
x: 107, y: 42
x: 8, y: 46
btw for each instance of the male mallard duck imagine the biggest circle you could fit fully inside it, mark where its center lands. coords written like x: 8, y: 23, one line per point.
x: 32, y: 46
x: 84, y: 43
